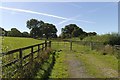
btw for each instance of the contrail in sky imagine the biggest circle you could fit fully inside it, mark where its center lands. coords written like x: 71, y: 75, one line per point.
x: 44, y: 14
x: 73, y: 18
x: 67, y: 20
x: 33, y: 12
x: 83, y: 21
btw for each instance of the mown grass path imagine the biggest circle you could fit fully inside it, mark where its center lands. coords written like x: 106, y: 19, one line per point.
x: 76, y: 68
x: 100, y: 66
x: 82, y: 62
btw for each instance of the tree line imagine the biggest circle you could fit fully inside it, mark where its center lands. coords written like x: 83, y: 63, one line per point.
x: 72, y: 30
x: 14, y: 32
x: 40, y: 29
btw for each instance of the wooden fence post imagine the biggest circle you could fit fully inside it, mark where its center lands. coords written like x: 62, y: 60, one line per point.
x: 45, y: 44
x: 21, y: 66
x: 91, y: 45
x: 42, y: 47
x: 71, y: 45
x: 50, y: 44
x: 31, y: 54
x: 38, y: 50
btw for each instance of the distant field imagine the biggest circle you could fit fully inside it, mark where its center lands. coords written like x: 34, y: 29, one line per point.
x: 10, y: 43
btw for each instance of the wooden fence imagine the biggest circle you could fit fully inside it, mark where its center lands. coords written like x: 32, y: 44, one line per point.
x: 14, y: 61
x: 99, y: 46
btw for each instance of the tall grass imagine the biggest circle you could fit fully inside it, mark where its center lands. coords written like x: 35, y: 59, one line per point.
x: 98, y: 38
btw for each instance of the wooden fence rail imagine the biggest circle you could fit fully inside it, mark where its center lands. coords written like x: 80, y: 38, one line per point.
x: 14, y: 65
x: 99, y: 46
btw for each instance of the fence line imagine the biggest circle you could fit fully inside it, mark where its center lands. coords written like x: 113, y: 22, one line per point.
x: 20, y: 64
x: 99, y: 46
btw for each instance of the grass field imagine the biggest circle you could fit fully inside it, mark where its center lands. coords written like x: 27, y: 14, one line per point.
x: 96, y: 64
x: 10, y: 43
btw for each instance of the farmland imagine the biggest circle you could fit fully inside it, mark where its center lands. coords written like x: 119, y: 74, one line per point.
x: 81, y: 61
x: 59, y: 40
x: 10, y: 43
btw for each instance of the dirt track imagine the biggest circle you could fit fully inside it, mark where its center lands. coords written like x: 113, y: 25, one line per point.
x: 75, y: 67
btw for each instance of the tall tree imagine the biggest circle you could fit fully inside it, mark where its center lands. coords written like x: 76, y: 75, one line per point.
x: 14, y: 33
x: 71, y: 30
x: 34, y: 25
x: 41, y: 29
x: 25, y: 34
x: 48, y: 30
x: 2, y: 31
x: 92, y: 33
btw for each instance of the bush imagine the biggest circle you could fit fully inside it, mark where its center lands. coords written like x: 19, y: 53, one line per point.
x: 114, y: 39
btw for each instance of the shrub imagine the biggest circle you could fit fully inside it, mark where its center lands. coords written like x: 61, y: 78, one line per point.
x: 114, y: 39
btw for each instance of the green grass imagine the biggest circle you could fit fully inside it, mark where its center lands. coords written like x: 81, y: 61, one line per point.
x: 93, y: 61
x: 10, y: 43
x: 43, y: 68
x: 0, y: 44
x: 60, y: 69
x: 97, y: 65
x: 96, y: 38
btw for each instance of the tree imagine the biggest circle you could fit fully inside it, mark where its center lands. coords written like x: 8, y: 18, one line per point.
x: 34, y: 25
x: 48, y: 30
x: 35, y: 32
x: 82, y: 36
x: 114, y: 39
x: 1, y: 31
x: 92, y: 33
x: 14, y: 33
x: 9, y: 33
x: 71, y: 30
x: 41, y: 29
x: 25, y: 34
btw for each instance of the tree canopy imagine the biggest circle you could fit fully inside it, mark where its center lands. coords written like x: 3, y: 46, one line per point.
x: 25, y: 34
x: 48, y: 30
x: 72, y: 30
x: 41, y: 29
x: 34, y: 25
x: 14, y: 33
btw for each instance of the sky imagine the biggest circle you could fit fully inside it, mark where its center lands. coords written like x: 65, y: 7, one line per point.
x: 100, y: 17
